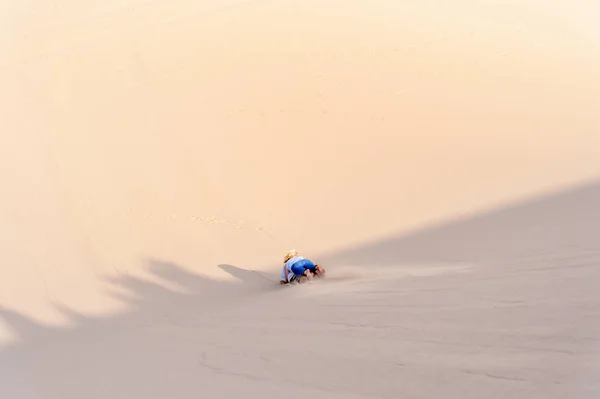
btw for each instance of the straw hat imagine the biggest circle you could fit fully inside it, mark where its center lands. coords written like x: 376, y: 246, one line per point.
x: 289, y: 255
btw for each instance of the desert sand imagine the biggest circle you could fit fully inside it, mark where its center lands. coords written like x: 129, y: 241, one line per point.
x: 440, y: 159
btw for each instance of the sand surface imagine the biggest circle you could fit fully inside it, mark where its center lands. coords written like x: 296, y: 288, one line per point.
x: 440, y: 159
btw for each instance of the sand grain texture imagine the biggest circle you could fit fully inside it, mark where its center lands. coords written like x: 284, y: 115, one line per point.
x: 158, y: 158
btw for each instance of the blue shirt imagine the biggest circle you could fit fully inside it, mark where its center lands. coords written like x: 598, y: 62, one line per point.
x: 288, y: 265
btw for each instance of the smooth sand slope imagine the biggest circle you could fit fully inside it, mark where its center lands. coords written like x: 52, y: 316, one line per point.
x: 440, y: 158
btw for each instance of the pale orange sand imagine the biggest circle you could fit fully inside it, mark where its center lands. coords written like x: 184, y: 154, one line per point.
x: 440, y: 158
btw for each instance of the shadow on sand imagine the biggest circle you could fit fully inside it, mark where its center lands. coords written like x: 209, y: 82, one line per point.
x: 564, y: 222
x: 132, y: 355
x: 236, y: 339
x: 252, y: 277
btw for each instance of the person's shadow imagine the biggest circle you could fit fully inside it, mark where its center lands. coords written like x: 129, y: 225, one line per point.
x: 251, y: 277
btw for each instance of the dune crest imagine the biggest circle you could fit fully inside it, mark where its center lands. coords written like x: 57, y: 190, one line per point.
x: 158, y: 158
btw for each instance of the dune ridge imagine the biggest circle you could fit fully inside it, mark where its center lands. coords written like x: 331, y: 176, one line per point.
x: 159, y: 158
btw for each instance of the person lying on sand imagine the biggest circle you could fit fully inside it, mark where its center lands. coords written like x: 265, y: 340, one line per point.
x: 297, y: 269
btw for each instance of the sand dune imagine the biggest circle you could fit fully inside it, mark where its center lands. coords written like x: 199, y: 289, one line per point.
x: 440, y: 158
